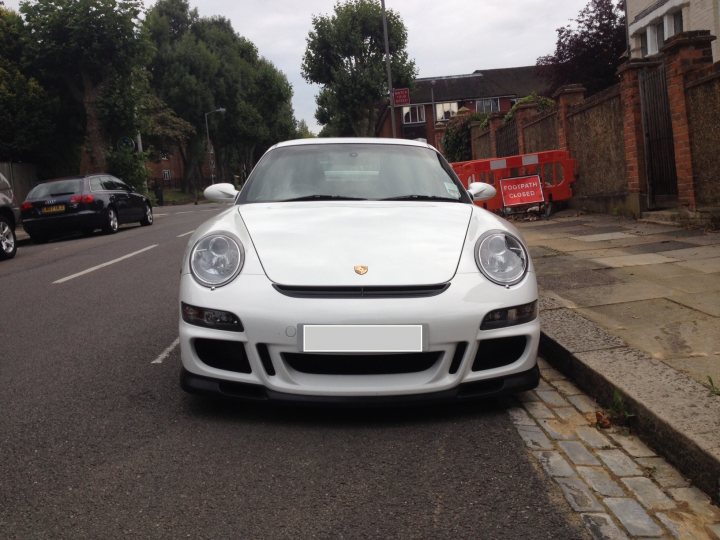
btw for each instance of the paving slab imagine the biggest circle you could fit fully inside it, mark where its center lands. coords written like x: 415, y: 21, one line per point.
x: 614, y: 294
x: 643, y: 259
x: 705, y: 301
x: 707, y: 266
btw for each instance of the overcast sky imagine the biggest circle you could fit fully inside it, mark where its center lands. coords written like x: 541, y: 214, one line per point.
x: 445, y: 37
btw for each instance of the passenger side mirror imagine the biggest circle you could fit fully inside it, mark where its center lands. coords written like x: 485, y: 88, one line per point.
x: 223, y: 192
x: 480, y: 191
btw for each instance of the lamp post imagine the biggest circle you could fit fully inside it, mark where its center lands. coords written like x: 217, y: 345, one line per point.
x: 209, y: 147
x: 387, y: 66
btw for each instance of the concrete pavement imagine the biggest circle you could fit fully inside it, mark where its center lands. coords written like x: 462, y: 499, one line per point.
x: 631, y: 313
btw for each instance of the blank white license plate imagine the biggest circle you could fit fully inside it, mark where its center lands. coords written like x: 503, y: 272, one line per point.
x: 362, y: 338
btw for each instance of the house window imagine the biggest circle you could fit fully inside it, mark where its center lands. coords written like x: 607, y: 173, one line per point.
x: 489, y: 105
x: 674, y: 23
x: 414, y: 114
x: 655, y: 37
x: 643, y: 44
x: 445, y: 111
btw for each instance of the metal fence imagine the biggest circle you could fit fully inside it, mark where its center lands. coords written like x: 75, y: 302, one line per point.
x: 507, y: 140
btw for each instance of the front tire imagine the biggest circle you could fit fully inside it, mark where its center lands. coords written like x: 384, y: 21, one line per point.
x: 148, y: 217
x: 8, y: 241
x: 111, y: 221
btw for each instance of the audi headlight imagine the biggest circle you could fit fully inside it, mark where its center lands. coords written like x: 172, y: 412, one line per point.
x: 216, y: 259
x: 501, y: 257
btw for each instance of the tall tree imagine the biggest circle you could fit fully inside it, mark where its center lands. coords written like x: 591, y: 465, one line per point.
x: 26, y: 109
x: 345, y: 54
x: 589, y: 51
x: 89, y: 45
x: 202, y: 64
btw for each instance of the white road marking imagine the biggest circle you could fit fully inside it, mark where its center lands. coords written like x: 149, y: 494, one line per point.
x: 166, y: 352
x: 185, y: 234
x: 186, y: 212
x: 103, y: 265
x: 158, y: 215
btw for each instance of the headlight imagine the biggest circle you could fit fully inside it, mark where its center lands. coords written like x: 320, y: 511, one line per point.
x: 501, y: 257
x: 216, y: 259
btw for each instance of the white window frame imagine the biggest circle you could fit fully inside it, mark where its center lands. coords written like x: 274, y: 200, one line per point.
x: 494, y: 105
x: 419, y: 114
x: 449, y: 107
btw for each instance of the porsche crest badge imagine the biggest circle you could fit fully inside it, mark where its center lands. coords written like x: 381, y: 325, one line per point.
x: 361, y: 269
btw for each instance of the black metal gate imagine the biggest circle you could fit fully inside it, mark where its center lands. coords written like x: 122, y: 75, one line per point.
x: 659, y: 149
x: 507, y: 140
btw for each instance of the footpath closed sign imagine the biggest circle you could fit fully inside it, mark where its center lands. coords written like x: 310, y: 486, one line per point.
x: 401, y: 96
x: 521, y: 190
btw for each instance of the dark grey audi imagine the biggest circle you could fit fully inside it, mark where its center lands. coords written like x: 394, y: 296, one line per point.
x: 83, y: 204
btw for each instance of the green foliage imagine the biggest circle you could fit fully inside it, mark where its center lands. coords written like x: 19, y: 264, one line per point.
x: 129, y: 166
x: 710, y: 385
x: 202, y: 64
x: 456, y: 141
x: 543, y: 104
x: 302, y: 131
x: 345, y: 54
x: 90, y: 48
x: 590, y: 51
x: 619, y: 412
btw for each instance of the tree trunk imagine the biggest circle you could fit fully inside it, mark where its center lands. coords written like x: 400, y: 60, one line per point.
x: 93, y: 157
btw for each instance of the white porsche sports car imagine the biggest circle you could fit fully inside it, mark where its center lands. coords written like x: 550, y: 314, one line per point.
x: 357, y: 269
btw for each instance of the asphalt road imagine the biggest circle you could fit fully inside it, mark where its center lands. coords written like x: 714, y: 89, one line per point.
x: 98, y: 441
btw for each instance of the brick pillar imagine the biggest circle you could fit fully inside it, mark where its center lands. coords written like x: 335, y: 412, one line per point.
x: 566, y: 97
x: 495, y: 122
x: 522, y: 115
x: 634, y: 136
x: 683, y: 53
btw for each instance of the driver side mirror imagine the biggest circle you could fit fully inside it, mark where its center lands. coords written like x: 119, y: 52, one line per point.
x: 480, y: 191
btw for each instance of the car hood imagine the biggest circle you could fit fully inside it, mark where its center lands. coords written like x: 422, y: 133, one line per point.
x: 320, y: 244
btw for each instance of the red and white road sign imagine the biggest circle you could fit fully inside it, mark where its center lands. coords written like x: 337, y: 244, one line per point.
x: 521, y: 190
x: 401, y: 96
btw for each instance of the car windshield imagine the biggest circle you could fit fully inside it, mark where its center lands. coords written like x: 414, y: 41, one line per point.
x: 55, y: 189
x: 351, y: 171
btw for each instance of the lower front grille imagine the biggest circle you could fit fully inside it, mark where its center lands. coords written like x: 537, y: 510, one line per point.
x: 498, y: 352
x: 222, y: 354
x: 361, y: 364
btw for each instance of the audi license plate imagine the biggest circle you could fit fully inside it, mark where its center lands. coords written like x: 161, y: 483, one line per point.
x: 54, y: 209
x: 362, y: 338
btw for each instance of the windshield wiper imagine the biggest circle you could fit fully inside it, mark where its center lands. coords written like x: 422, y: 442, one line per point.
x: 420, y: 198
x: 323, y: 198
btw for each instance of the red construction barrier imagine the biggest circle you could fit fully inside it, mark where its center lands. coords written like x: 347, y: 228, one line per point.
x: 555, y: 168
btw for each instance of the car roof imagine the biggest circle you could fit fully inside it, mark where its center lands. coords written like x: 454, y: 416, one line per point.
x: 352, y: 140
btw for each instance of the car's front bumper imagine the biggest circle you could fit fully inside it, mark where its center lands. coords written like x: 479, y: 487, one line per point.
x: 272, y: 322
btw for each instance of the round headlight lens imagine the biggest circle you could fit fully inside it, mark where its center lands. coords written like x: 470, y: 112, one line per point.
x: 216, y: 259
x: 501, y: 257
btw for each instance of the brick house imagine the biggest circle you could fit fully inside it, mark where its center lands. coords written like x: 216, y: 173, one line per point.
x: 652, y: 22
x: 435, y: 100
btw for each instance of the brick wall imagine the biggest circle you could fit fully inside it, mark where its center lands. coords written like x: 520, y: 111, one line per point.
x: 703, y: 105
x: 595, y: 140
x: 541, y: 133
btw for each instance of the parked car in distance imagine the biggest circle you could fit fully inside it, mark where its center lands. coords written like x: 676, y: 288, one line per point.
x: 83, y: 203
x: 356, y: 270
x: 9, y: 218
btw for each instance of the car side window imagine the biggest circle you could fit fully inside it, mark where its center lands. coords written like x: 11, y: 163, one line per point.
x: 122, y: 186
x: 96, y: 184
x: 108, y: 184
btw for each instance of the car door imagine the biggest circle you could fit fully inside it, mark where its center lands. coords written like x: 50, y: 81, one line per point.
x: 120, y: 198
